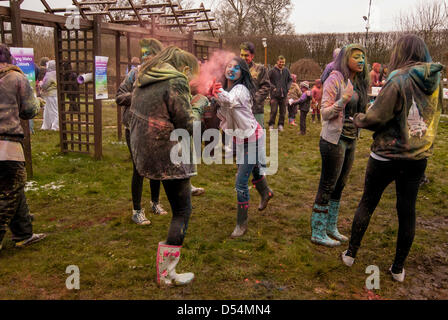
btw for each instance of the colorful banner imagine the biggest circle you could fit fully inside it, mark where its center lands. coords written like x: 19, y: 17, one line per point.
x: 24, y: 59
x: 101, y: 77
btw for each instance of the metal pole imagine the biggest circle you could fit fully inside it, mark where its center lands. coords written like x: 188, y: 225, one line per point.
x: 368, y: 23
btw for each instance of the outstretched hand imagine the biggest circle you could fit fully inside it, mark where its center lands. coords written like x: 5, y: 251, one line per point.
x: 216, y: 88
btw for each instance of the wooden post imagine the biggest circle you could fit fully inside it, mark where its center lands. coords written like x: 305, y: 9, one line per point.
x: 98, y: 126
x: 117, y: 83
x: 61, y: 96
x: 266, y: 57
x: 191, y: 46
x: 17, y: 41
x: 128, y: 48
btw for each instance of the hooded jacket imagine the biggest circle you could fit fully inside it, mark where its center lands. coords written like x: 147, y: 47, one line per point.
x: 406, y: 113
x: 160, y: 103
x: 124, y: 94
x: 17, y: 101
x: 49, y: 87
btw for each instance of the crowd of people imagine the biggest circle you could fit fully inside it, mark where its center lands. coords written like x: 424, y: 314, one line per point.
x: 157, y: 98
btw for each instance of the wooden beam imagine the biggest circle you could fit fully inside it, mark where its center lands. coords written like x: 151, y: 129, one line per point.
x: 175, y: 16
x: 81, y: 10
x: 136, y: 12
x: 47, y: 7
x: 209, y: 21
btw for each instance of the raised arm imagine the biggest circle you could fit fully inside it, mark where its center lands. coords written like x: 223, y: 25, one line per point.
x: 382, y: 111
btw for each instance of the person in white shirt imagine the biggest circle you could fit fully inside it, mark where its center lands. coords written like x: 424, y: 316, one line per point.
x: 236, y: 98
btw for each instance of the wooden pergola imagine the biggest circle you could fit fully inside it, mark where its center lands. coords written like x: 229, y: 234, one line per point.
x: 80, y: 119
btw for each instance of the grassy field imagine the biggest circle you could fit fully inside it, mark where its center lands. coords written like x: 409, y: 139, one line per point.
x: 85, y: 205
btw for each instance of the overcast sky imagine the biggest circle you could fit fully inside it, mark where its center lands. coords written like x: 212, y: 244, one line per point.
x: 314, y: 16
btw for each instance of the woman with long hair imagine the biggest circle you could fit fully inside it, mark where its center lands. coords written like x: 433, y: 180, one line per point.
x: 148, y: 49
x: 236, y: 97
x: 404, y: 118
x: 161, y: 103
x: 344, y: 94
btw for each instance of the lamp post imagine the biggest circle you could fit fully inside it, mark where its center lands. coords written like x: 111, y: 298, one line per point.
x: 367, y: 20
x: 265, y: 45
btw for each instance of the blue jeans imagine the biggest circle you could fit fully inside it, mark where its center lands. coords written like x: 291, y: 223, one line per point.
x: 251, y: 158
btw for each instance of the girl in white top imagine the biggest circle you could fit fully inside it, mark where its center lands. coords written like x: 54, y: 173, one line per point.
x: 237, y: 120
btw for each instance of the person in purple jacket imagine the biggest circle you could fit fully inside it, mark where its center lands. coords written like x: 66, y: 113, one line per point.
x: 345, y: 94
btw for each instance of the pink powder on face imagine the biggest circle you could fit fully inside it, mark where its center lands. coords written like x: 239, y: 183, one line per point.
x: 211, y: 71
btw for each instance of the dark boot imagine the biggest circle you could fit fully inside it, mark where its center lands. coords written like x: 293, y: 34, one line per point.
x: 241, y: 221
x: 265, y: 192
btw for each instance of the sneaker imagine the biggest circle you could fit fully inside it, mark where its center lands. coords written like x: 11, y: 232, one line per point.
x: 157, y: 209
x: 138, y: 216
x: 280, y: 128
x: 33, y: 239
x: 197, y: 191
x: 397, y: 276
x: 348, y: 261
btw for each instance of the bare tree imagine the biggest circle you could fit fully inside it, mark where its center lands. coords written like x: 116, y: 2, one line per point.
x: 426, y: 20
x: 273, y: 17
x: 232, y: 15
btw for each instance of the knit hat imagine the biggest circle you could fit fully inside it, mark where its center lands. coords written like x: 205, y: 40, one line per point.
x: 305, y: 84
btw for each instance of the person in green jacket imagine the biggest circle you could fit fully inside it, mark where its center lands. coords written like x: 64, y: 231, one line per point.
x: 17, y: 101
x: 404, y: 119
x: 161, y: 103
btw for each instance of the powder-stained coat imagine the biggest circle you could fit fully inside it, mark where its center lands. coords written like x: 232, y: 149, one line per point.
x: 124, y: 94
x: 161, y: 102
x: 406, y: 113
x: 17, y: 101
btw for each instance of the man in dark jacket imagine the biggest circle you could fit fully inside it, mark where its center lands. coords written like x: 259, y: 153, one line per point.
x: 260, y: 78
x: 17, y: 101
x: 281, y: 81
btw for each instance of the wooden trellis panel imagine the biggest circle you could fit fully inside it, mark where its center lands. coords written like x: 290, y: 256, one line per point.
x: 5, y: 32
x: 75, y: 56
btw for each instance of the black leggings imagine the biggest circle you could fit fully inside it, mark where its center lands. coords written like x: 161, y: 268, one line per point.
x: 137, y: 182
x: 337, y: 161
x: 178, y: 193
x: 379, y: 174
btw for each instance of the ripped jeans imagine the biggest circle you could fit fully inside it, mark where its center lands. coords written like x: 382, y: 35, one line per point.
x: 253, y: 160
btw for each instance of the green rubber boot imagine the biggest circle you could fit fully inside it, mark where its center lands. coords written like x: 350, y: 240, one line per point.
x: 319, y: 219
x: 241, y: 220
x: 332, y: 223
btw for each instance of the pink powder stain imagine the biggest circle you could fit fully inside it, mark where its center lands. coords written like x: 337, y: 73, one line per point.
x: 211, y: 70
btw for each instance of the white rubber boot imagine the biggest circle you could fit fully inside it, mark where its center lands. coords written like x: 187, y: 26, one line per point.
x: 167, y: 259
